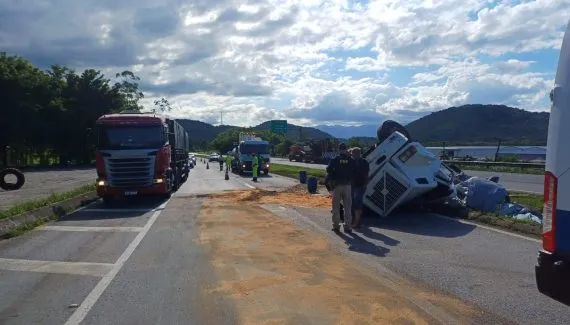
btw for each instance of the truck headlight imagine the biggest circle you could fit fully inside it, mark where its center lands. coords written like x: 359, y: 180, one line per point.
x: 101, y: 182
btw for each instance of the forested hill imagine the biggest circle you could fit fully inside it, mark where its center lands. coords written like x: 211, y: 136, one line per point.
x: 481, y: 125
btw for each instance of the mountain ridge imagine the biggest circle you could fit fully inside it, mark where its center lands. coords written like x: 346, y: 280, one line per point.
x: 473, y: 124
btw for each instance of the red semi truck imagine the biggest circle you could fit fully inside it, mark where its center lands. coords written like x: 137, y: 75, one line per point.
x: 140, y: 154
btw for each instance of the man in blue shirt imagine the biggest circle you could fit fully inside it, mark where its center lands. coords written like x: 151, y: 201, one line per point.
x: 341, y: 171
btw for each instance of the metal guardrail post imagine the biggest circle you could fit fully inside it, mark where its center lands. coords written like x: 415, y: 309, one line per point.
x: 496, y: 163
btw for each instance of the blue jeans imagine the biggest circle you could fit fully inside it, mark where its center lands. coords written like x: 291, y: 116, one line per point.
x: 357, y: 197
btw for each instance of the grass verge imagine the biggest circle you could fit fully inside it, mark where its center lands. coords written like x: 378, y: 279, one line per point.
x: 293, y: 171
x: 32, y: 205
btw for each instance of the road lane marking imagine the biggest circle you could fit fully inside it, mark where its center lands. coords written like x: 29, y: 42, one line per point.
x: 504, y: 232
x: 249, y: 185
x: 94, y: 229
x: 77, y: 317
x: 75, y: 268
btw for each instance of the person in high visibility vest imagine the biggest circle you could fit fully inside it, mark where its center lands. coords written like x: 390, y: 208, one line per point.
x: 254, y: 166
x: 228, y: 160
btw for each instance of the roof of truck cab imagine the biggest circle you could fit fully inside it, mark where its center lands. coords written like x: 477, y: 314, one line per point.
x: 134, y: 118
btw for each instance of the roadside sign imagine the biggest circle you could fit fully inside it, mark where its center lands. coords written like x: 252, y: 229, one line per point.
x: 279, y: 126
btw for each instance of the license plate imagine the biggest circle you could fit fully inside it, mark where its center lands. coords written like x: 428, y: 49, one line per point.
x: 131, y: 192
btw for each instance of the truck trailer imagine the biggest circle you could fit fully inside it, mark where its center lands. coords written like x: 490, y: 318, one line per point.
x: 140, y: 154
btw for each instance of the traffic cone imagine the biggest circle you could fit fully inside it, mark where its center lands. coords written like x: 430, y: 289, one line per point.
x: 207, y: 166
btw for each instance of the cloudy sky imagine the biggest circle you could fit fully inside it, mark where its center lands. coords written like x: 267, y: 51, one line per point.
x: 311, y: 61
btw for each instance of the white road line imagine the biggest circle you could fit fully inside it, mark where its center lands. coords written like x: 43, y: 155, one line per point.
x: 119, y: 210
x: 76, y: 268
x: 83, y: 309
x: 94, y: 229
x: 249, y: 185
x: 504, y: 232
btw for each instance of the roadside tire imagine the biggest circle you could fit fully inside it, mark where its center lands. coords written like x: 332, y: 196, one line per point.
x: 20, y: 179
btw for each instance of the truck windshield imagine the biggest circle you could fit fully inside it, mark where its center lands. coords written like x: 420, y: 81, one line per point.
x: 257, y: 148
x: 131, y: 137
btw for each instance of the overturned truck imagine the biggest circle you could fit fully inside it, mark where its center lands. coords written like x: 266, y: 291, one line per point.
x: 404, y: 172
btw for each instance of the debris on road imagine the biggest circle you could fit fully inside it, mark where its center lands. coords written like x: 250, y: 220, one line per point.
x: 294, y: 196
x: 489, y: 196
x: 277, y: 273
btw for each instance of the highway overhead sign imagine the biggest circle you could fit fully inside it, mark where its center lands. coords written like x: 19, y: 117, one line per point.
x: 279, y: 126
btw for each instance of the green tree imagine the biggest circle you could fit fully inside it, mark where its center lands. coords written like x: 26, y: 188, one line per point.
x: 162, y: 105
x: 354, y: 142
x: 127, y: 85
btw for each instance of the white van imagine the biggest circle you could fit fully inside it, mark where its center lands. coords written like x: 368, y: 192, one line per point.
x: 553, y: 267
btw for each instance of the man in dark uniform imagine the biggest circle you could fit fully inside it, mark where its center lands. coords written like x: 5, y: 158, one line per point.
x: 341, y: 171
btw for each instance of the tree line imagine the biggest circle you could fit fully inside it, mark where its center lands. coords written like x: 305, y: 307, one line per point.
x: 48, y: 115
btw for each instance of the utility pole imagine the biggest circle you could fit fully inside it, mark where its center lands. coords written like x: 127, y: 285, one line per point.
x: 221, y: 118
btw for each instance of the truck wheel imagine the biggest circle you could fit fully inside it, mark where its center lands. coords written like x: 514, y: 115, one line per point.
x: 265, y: 172
x: 20, y: 179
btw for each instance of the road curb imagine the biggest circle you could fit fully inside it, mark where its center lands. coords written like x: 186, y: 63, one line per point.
x: 49, y: 212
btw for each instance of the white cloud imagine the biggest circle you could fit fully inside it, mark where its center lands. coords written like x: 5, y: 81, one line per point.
x: 310, y: 61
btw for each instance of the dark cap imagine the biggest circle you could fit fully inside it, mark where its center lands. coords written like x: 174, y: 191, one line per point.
x: 342, y: 146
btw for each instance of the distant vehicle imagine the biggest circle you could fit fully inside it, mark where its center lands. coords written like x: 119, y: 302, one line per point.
x: 192, y: 160
x: 242, y: 159
x: 553, y: 266
x: 213, y: 157
x: 316, y: 151
x: 139, y: 154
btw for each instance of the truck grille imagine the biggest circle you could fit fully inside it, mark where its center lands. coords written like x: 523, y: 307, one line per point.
x: 387, y: 192
x: 130, y: 172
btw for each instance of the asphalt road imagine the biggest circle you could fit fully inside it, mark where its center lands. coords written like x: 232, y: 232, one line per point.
x: 517, y: 182
x: 141, y: 262
x: 490, y: 269
x: 137, y: 263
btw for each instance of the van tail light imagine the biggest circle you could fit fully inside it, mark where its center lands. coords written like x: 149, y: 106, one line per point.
x: 549, y: 213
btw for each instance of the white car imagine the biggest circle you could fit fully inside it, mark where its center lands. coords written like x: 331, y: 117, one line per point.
x: 214, y: 157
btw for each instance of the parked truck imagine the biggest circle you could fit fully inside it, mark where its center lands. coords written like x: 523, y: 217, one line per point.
x: 140, y: 154
x: 316, y: 151
x: 247, y: 144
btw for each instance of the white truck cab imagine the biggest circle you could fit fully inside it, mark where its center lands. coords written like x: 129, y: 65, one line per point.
x: 553, y: 265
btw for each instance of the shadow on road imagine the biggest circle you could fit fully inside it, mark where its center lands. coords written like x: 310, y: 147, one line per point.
x: 129, y: 208
x: 424, y: 224
x: 356, y: 243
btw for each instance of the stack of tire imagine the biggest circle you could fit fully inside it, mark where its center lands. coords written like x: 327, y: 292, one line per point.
x: 20, y: 179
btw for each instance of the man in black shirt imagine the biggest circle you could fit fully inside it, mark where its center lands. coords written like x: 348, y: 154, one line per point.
x: 359, y: 183
x: 341, y: 172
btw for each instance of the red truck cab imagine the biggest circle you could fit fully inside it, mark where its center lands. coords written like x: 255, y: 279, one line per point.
x: 133, y: 156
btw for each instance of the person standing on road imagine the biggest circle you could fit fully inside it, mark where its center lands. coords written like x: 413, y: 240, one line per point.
x: 341, y: 172
x: 359, y: 183
x: 228, y: 160
x: 254, y: 166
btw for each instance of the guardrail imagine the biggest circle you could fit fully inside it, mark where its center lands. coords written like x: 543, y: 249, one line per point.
x: 495, y: 164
